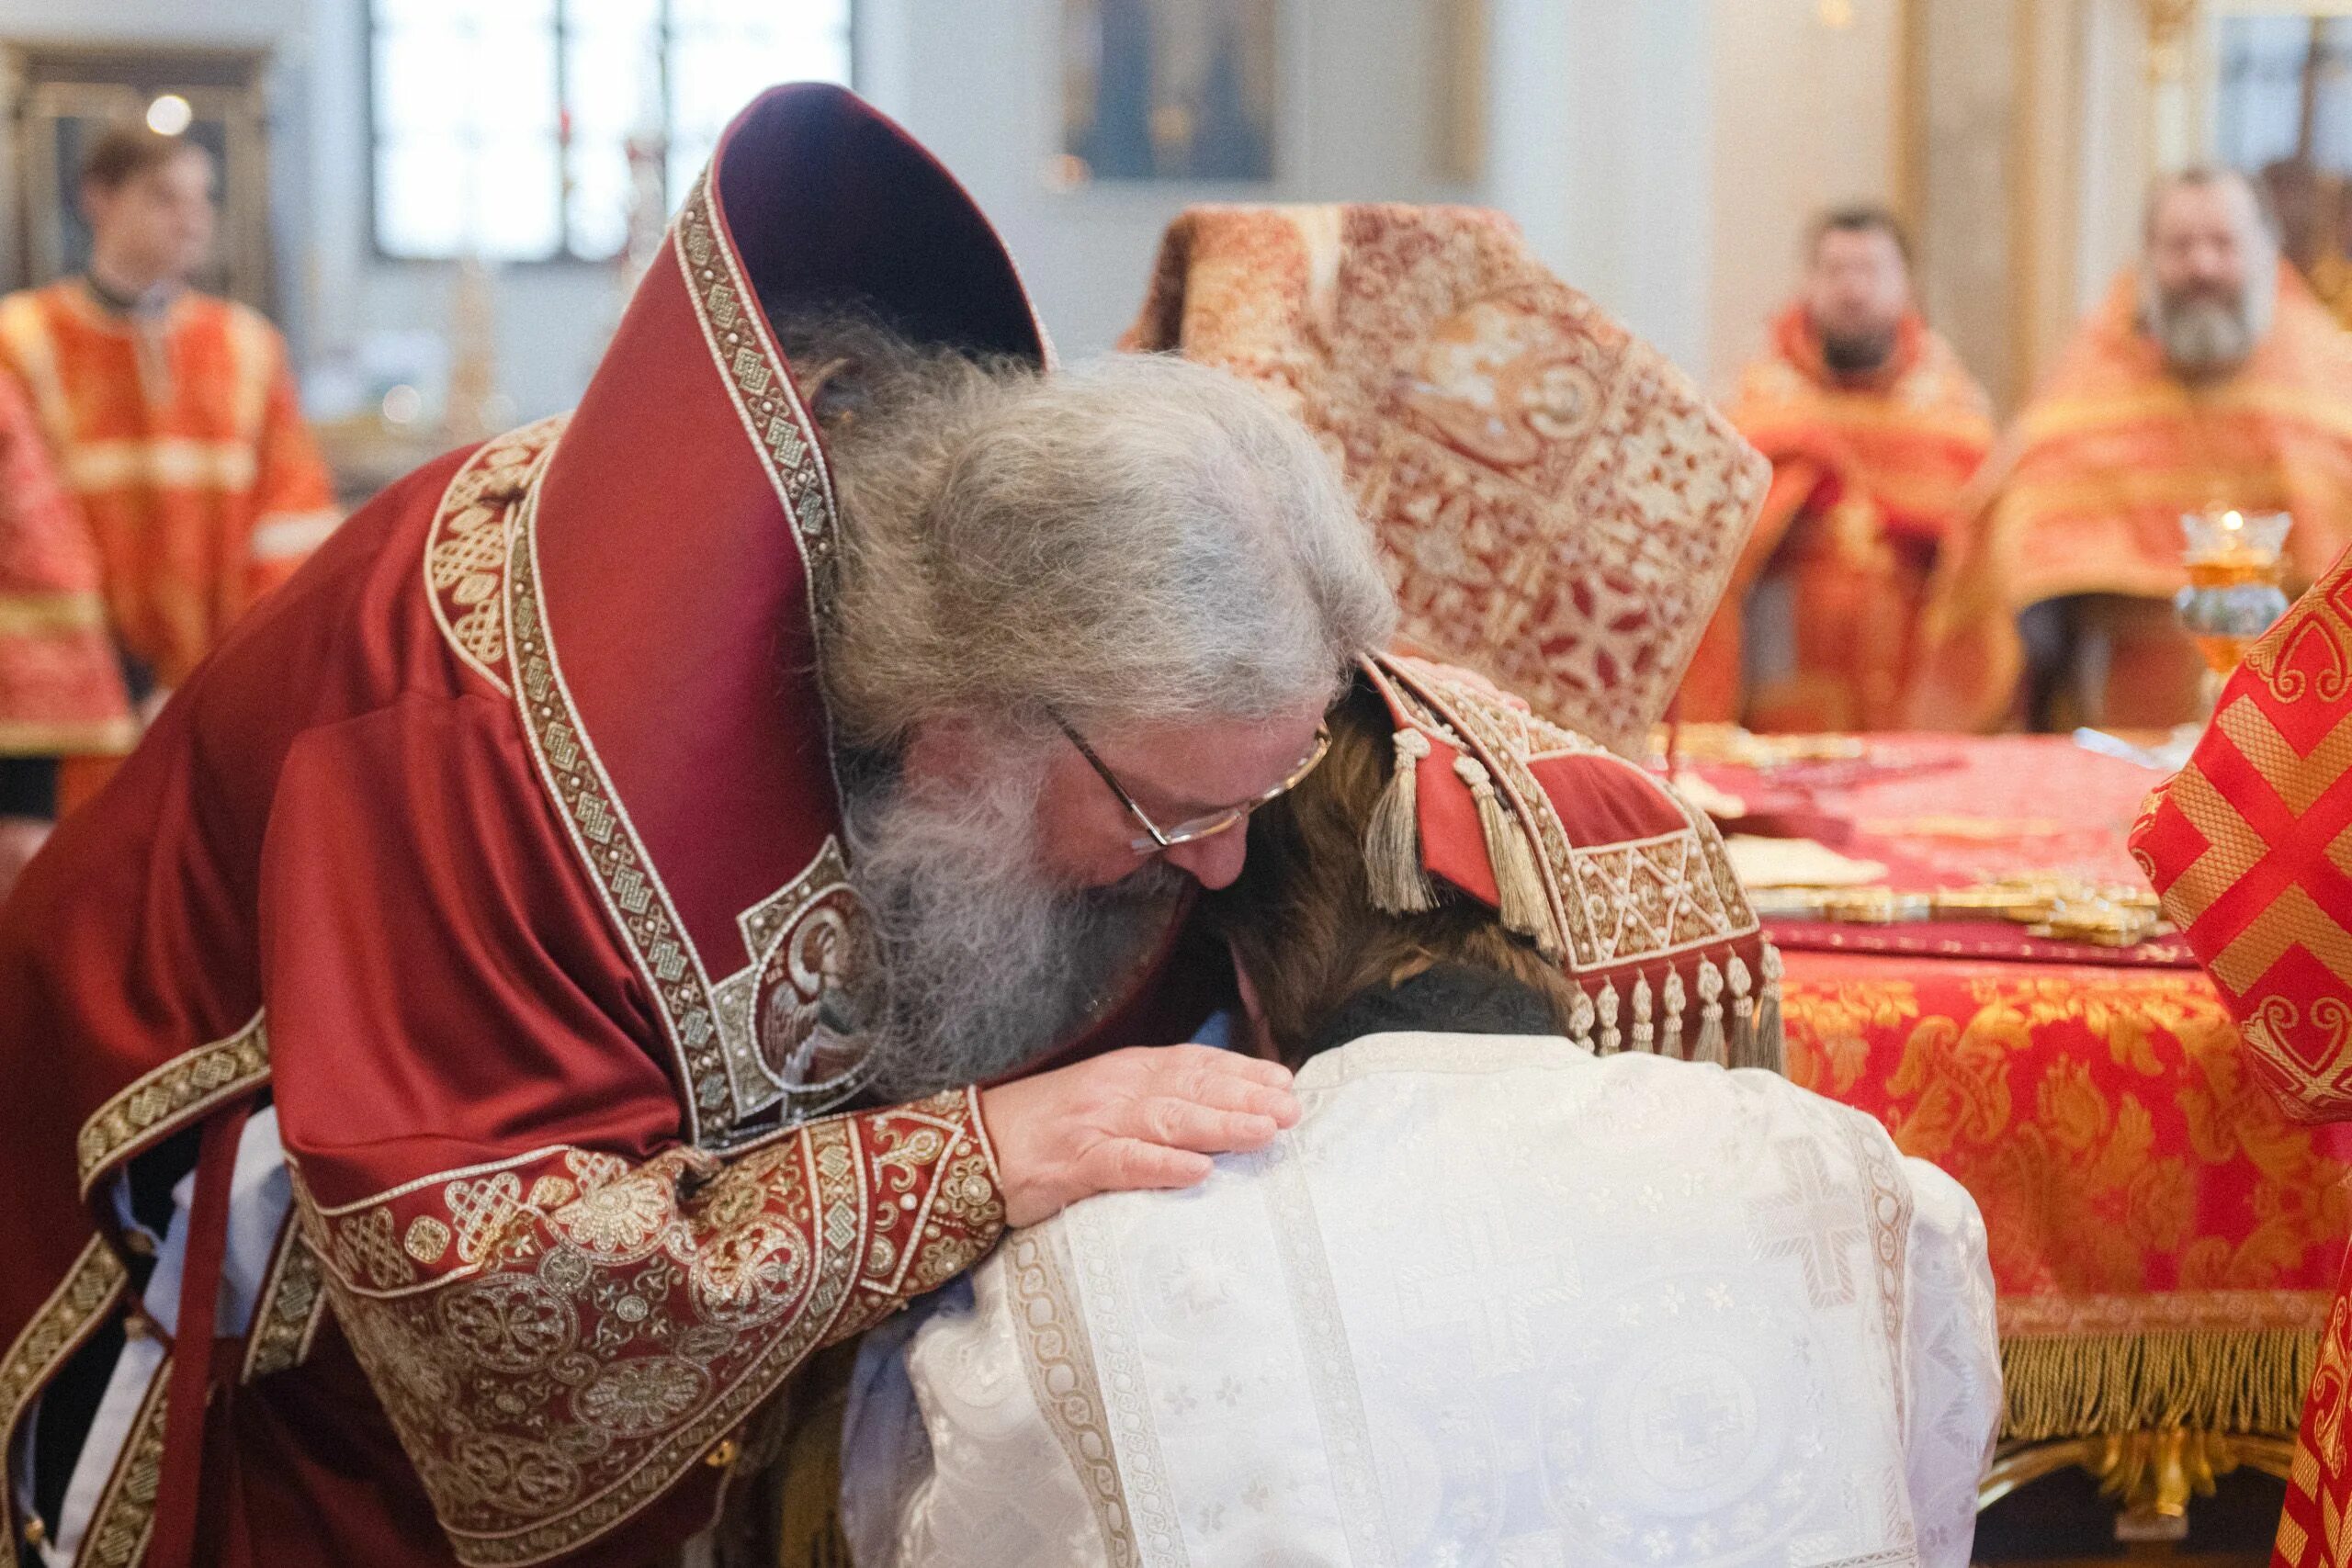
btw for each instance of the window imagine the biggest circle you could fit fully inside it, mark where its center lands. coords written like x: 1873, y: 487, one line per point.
x: 540, y: 129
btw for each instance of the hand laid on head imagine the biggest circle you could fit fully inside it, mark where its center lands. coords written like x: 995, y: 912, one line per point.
x: 1149, y: 1116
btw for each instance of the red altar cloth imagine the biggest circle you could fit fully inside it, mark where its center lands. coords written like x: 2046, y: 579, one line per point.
x: 2164, y: 1241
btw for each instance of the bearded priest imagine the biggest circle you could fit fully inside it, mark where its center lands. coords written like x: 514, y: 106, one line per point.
x: 519, y: 1003
x: 2210, y: 379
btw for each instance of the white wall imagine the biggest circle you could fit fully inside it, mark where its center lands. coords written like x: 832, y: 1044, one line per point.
x: 1804, y: 118
x: 1599, y: 148
x: 976, y: 81
x: 1598, y: 143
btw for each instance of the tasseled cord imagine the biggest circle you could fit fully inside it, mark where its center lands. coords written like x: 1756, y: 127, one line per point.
x: 1743, y: 1011
x: 1518, y: 886
x: 1770, y: 1047
x: 1645, y: 1028
x: 1580, y: 1017
x: 1670, y: 1041
x: 1391, y: 839
x: 1710, y: 1047
x: 1611, y: 1041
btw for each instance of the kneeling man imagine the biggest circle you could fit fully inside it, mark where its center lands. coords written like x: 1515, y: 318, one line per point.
x: 1498, y: 1299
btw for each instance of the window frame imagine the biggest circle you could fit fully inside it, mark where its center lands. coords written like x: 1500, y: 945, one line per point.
x: 564, y: 259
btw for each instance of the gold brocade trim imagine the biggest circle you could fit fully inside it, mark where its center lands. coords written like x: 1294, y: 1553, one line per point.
x: 1060, y: 1368
x: 293, y: 1303
x: 57, y: 1326
x: 169, y: 1097
x: 2224, y: 1380
x: 760, y: 385
x: 125, y: 1516
x: 101, y: 737
x: 556, y: 1346
x: 467, y: 546
x: 26, y: 615
x: 2141, y: 1313
x: 626, y: 880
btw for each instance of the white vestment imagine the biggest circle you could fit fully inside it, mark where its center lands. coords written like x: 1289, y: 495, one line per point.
x: 1494, y: 1301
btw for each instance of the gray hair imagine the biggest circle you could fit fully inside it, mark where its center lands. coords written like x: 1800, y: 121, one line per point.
x: 1131, y: 541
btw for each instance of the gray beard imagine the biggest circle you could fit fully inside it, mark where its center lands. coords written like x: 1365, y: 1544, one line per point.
x: 985, y: 964
x: 2203, y: 338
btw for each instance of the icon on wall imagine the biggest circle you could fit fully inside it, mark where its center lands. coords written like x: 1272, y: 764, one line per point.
x: 1167, y: 90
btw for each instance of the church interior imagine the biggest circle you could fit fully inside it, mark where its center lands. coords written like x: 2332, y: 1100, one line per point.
x: 1908, y: 441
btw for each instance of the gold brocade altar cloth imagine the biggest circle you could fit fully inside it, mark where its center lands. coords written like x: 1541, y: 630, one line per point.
x: 2165, y: 1243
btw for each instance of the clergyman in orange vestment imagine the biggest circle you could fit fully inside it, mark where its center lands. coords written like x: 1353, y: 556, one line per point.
x: 2080, y: 515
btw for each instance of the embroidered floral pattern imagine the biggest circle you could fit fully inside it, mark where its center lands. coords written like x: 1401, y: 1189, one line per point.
x: 564, y: 1368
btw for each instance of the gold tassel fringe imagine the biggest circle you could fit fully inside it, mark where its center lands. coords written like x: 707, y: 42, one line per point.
x: 1580, y: 1015
x: 1670, y: 1041
x: 1644, y: 1031
x: 1710, y: 1047
x: 2219, y: 1381
x: 1743, y: 1011
x: 1518, y: 886
x: 1611, y: 1041
x: 1771, y: 1048
x: 1391, y: 839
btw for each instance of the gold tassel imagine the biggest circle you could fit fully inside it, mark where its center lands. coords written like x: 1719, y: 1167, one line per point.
x: 1711, y: 1016
x: 1670, y: 1041
x: 1611, y: 1041
x: 1645, y: 1032
x: 1391, y: 839
x: 1518, y: 886
x: 1743, y: 1011
x: 1580, y: 1020
x: 1771, y: 1048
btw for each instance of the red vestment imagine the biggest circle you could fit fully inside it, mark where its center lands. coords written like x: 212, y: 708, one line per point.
x: 1867, y: 475
x: 501, y: 848
x: 2250, y: 847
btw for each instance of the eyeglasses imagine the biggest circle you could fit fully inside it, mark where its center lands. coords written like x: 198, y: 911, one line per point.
x: 1198, y: 828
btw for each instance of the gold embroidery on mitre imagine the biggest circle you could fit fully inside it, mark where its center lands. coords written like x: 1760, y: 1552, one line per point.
x: 172, y: 1096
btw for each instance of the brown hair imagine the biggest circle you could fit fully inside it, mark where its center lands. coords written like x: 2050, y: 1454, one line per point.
x: 129, y: 150
x: 1300, y: 917
x: 1859, y: 218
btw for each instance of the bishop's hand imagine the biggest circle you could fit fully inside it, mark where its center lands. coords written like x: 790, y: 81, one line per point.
x: 1148, y: 1116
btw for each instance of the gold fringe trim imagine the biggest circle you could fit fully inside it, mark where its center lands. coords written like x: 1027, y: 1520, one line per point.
x: 2219, y: 1381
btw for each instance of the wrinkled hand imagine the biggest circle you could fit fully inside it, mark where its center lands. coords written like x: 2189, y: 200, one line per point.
x: 1149, y: 1116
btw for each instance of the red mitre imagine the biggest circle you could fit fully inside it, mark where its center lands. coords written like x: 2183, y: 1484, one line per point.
x: 2250, y: 849
x: 1560, y: 508
x: 1599, y: 862
x: 672, y: 565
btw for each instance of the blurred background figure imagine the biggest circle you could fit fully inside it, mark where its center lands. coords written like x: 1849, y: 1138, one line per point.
x: 1872, y: 425
x: 2209, y: 378
x: 172, y: 417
